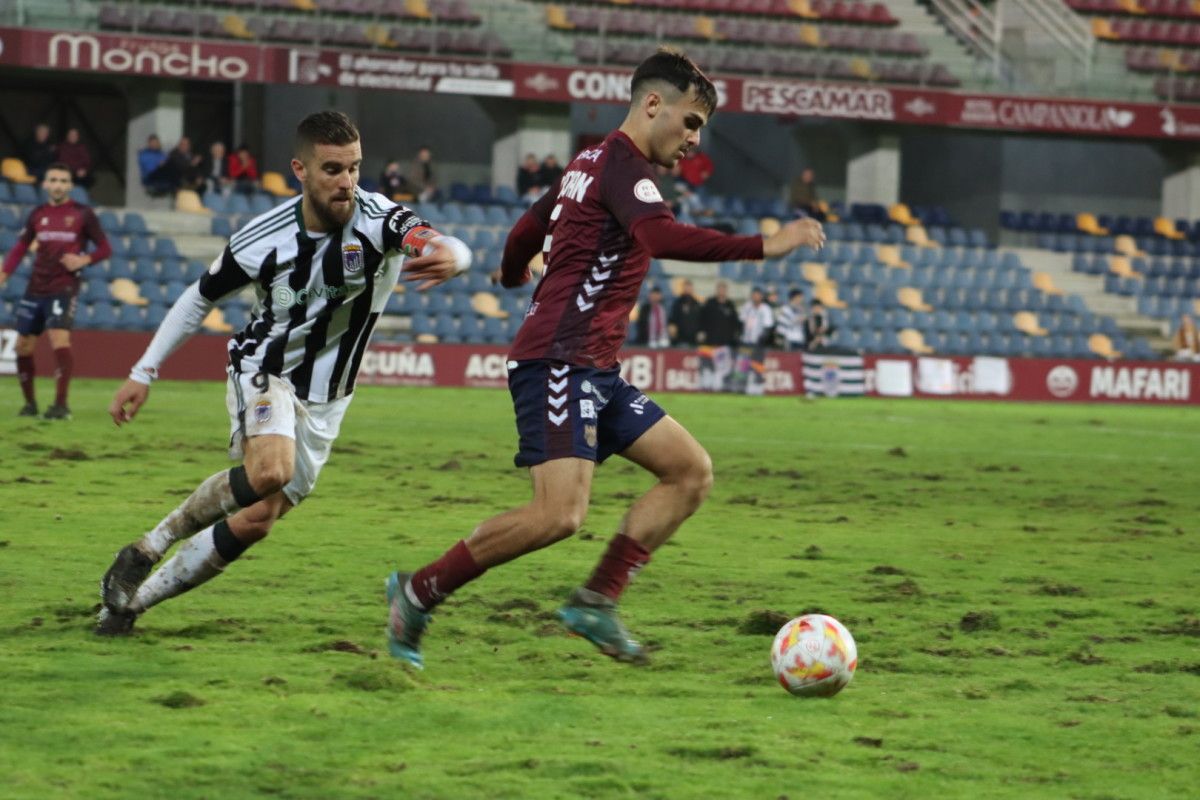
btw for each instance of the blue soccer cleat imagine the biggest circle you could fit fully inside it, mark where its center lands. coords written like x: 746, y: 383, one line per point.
x: 406, y: 622
x: 594, y: 617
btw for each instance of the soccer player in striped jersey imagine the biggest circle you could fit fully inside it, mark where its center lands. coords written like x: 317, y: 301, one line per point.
x: 597, y: 229
x: 322, y: 266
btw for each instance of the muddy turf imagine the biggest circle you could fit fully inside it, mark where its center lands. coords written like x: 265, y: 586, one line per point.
x: 1021, y: 581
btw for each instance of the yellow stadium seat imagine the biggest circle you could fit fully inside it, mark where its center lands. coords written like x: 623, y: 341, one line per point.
x: 235, y: 26
x: 912, y: 341
x: 861, y: 69
x: 803, y: 8
x: 485, y: 303
x: 189, y: 202
x: 811, y: 36
x: 274, y: 183
x: 814, y: 272
x: 768, y: 226
x: 426, y: 338
x: 827, y: 294
x: 911, y: 299
x: 1130, y: 7
x: 378, y: 36
x: 1171, y: 60
x: 916, y: 235
x: 1127, y: 246
x: 13, y: 169
x: 1045, y: 282
x: 1196, y: 302
x: 1027, y: 322
x: 705, y: 27
x: 1102, y: 29
x: 215, y: 322
x: 304, y: 5
x: 556, y: 18
x: 1165, y: 227
x: 127, y: 292
x: 1088, y: 223
x: 1120, y: 265
x: 889, y: 254
x: 1102, y: 346
x: 902, y: 214
x: 418, y: 8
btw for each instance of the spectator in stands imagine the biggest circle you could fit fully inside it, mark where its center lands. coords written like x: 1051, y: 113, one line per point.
x: 392, y: 182
x: 151, y: 159
x: 74, y: 153
x: 39, y: 151
x: 719, y: 329
x: 652, y: 328
x: 684, y: 321
x: 215, y: 169
x: 790, y: 322
x: 695, y: 168
x: 1187, y: 340
x: 757, y: 319
x: 551, y: 170
x: 180, y: 169
x: 665, y: 180
x: 803, y: 195
x: 817, y: 327
x: 243, y: 169
x: 719, y: 324
x: 529, y: 180
x: 422, y: 177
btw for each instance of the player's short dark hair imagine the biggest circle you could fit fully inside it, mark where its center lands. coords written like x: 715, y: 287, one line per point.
x: 60, y: 167
x: 324, y: 127
x: 794, y: 293
x: 672, y: 66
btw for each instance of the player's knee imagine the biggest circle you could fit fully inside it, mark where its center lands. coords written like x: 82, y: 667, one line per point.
x: 269, y: 477
x: 564, y: 521
x: 25, y: 347
x: 697, y: 478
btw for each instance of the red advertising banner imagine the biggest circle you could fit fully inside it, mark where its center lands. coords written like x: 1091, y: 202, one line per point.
x: 1039, y: 379
x: 172, y: 57
x: 109, y: 354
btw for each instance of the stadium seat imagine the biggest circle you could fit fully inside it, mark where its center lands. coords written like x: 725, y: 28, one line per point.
x: 26, y: 194
x: 127, y: 292
x: 912, y: 300
x: 1027, y: 322
x: 274, y: 183
x: 1102, y: 345
x: 14, y: 171
x: 189, y: 202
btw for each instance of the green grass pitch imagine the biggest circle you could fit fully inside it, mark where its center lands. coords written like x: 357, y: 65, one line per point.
x: 1021, y: 581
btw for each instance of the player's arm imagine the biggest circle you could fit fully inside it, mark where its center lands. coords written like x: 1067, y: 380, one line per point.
x: 431, y: 257
x: 222, y: 279
x: 666, y: 238
x: 525, y: 241
x: 13, y: 259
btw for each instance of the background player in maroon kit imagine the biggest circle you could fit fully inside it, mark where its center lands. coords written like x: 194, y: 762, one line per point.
x: 597, y: 228
x: 62, y: 228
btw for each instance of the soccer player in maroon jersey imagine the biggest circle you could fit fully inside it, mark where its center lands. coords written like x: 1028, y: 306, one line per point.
x: 61, y: 228
x: 597, y: 228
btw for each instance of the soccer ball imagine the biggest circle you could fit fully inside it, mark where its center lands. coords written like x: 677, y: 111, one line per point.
x: 814, y: 656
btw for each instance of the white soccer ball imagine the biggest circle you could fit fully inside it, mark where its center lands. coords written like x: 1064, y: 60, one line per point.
x: 814, y: 656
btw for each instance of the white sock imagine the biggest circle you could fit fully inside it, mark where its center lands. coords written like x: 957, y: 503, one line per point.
x: 212, y: 501
x: 196, y: 562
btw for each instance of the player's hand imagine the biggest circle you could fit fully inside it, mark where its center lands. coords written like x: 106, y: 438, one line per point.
x: 797, y: 233
x: 127, y: 401
x: 437, y: 266
x: 75, y: 261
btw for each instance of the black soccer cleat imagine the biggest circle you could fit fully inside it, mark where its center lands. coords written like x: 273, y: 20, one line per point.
x: 28, y: 410
x: 56, y: 412
x: 121, y: 582
x: 115, y: 623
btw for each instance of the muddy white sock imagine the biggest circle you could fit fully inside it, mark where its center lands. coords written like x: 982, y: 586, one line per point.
x: 196, y: 562
x: 218, y: 497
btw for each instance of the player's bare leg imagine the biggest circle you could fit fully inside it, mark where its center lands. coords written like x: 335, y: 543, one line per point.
x: 25, y: 372
x: 268, y: 467
x: 561, y: 489
x: 60, y: 342
x: 684, y: 474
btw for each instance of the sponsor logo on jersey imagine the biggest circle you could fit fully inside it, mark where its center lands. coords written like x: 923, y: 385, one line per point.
x: 646, y: 191
x: 286, y: 297
x: 352, y: 257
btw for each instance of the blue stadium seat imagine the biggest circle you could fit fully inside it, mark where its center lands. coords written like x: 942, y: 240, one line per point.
x: 24, y: 194
x: 237, y: 204
x: 5, y: 193
x: 145, y: 271
x: 173, y: 289
x: 140, y: 247
x: 121, y: 268
x: 471, y: 329
x: 134, y: 224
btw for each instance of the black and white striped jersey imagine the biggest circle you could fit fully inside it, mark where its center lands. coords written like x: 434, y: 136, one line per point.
x: 319, y: 295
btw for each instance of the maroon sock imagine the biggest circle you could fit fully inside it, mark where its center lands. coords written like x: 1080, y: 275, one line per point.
x: 434, y: 583
x: 62, y: 375
x: 620, y: 562
x: 25, y: 376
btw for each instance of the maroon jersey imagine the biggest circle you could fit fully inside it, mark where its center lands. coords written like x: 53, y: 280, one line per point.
x: 58, y: 230
x: 594, y: 265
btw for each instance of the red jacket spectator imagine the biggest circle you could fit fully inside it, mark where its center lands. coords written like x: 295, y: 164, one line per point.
x: 695, y: 168
x: 242, y: 165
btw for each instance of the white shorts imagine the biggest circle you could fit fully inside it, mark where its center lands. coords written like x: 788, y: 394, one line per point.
x: 273, y: 408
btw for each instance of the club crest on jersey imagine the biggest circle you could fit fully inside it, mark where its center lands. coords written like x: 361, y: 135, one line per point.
x: 589, y: 435
x: 67, y: 220
x: 352, y: 257
x: 262, y: 411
